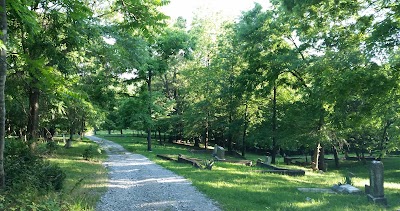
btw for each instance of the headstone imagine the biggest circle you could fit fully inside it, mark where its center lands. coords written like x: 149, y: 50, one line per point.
x: 376, y: 193
x: 268, y: 160
x: 215, y: 149
x: 346, y: 188
x: 220, y: 152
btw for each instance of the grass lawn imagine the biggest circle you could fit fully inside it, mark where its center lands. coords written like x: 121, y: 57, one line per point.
x: 85, y: 180
x: 238, y: 187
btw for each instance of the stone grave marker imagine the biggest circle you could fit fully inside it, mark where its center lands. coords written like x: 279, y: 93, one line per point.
x: 215, y: 150
x: 220, y: 153
x: 375, y: 189
x: 346, y: 188
x: 268, y: 159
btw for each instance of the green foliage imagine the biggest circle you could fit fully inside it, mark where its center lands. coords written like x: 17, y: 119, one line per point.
x: 26, y: 170
x: 51, y: 146
x: 80, y: 190
x: 91, y: 152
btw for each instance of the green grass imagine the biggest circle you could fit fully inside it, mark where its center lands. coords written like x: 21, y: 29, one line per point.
x: 238, y: 187
x: 85, y: 180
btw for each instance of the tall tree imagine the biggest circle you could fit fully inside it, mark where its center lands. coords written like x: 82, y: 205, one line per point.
x: 3, y: 73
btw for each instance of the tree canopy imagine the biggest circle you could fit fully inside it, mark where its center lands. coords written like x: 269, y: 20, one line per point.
x: 298, y: 75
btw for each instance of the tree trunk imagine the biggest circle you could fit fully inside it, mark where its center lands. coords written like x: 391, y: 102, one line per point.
x: 230, y: 109
x: 159, y: 135
x: 149, y: 110
x: 315, y: 164
x: 3, y: 73
x: 322, y: 164
x: 274, y: 128
x: 149, y: 139
x: 69, y: 141
x: 197, y: 142
x: 230, y: 136
x: 207, y: 133
x: 244, y: 131
x: 33, y: 119
x: 336, y: 156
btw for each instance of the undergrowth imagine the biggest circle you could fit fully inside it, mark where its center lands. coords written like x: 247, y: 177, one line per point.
x: 48, y: 177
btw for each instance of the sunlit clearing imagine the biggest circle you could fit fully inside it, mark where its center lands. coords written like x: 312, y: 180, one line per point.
x: 392, y: 185
x: 308, y: 203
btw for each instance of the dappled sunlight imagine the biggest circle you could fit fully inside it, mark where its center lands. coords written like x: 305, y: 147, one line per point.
x: 392, y: 185
x: 130, y: 183
x: 308, y: 204
x: 98, y: 183
x: 363, y: 182
x: 127, y: 171
x: 161, y: 204
x: 126, y: 163
x: 221, y: 184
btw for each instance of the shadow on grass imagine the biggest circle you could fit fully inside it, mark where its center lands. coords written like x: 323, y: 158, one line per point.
x: 236, y: 187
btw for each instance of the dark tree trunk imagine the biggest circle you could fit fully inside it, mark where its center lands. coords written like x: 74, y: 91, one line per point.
x: 207, y: 131
x: 122, y: 132
x: 149, y: 110
x: 336, y: 156
x: 149, y: 140
x: 230, y: 136
x: 3, y: 73
x: 197, y: 142
x: 244, y: 131
x: 159, y: 135
x: 109, y: 131
x: 71, y: 136
x: 322, y: 164
x: 274, y: 128
x: 33, y: 119
x: 231, y: 109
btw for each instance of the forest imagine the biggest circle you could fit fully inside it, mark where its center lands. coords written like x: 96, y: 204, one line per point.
x: 302, y: 77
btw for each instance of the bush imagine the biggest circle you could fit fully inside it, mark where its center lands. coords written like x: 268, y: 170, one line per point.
x: 51, y: 146
x: 25, y: 169
x: 90, y: 152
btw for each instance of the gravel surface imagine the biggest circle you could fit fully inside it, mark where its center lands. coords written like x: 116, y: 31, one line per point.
x: 136, y: 183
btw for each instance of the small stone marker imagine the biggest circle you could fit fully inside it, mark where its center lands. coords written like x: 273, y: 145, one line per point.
x: 215, y: 149
x: 220, y: 153
x: 346, y: 188
x: 375, y: 190
x: 268, y: 160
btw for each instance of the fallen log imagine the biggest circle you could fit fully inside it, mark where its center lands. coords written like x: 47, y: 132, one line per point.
x: 243, y: 162
x: 183, y: 159
x: 166, y: 157
x: 284, y: 172
x: 276, y: 170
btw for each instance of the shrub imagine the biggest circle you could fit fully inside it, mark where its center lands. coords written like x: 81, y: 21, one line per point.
x: 90, y: 152
x: 51, y: 146
x: 25, y: 169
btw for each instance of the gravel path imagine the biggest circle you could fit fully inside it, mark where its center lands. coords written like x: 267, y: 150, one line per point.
x: 136, y: 183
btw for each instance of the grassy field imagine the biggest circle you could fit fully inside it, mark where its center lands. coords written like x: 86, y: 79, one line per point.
x: 85, y: 179
x: 238, y: 187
